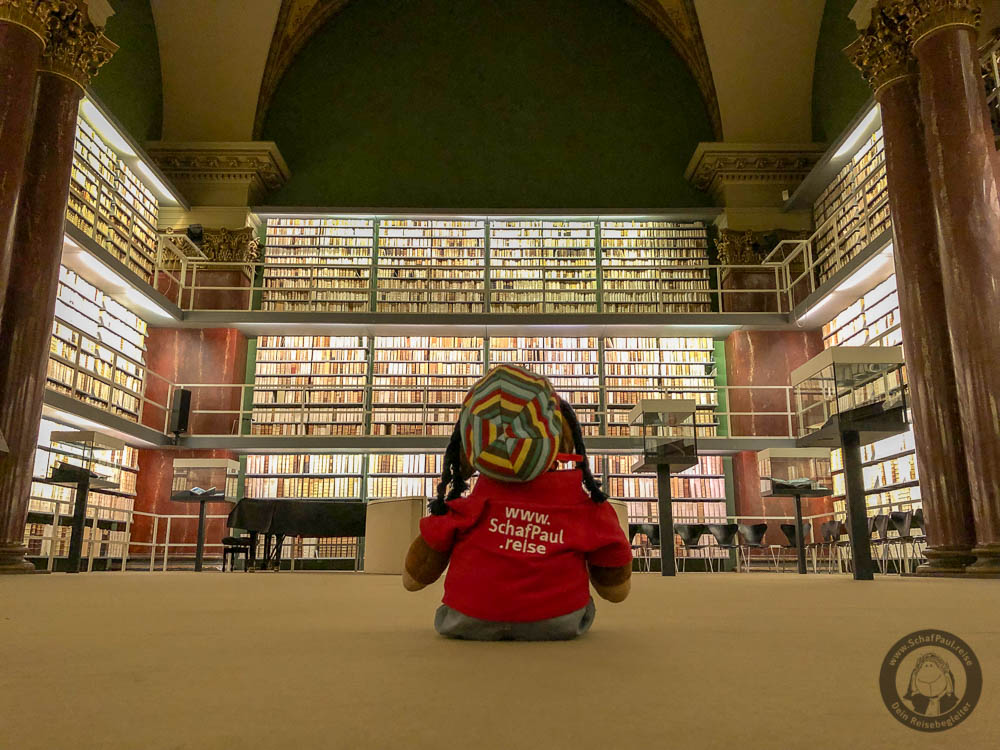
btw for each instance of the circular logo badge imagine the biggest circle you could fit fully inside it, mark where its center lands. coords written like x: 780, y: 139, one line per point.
x: 931, y: 680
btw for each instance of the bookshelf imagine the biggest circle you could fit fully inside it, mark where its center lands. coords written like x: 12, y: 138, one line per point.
x: 572, y: 364
x: 892, y: 478
x: 419, y: 382
x: 431, y: 265
x: 637, y: 368
x: 97, y: 349
x: 50, y: 506
x: 318, y: 264
x: 857, y: 201
x: 543, y: 266
x: 655, y: 266
x: 310, y: 385
x: 110, y: 204
x: 699, y: 496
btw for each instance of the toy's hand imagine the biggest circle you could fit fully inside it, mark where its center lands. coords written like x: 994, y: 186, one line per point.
x: 612, y: 584
x: 410, y: 584
x: 423, y: 565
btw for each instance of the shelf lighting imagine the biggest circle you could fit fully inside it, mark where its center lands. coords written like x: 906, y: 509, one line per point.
x: 850, y: 145
x: 108, y: 132
x: 115, y: 281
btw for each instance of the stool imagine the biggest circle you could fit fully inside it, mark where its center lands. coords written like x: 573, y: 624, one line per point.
x: 233, y: 546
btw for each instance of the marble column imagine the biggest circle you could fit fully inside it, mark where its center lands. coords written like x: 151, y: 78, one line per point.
x: 22, y: 37
x: 960, y: 155
x: 944, y: 479
x: 75, y: 51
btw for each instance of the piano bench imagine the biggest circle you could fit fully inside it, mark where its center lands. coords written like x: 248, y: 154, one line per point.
x: 233, y: 546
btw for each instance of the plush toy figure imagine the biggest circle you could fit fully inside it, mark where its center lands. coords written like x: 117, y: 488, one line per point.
x: 522, y: 546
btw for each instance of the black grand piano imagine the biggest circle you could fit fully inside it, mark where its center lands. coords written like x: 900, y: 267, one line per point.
x: 277, y: 519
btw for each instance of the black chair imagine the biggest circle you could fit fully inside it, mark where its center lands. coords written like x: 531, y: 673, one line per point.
x: 691, y: 534
x: 788, y: 529
x: 880, y: 543
x: 818, y: 547
x: 753, y: 538
x: 643, y: 552
x: 901, y: 520
x: 232, y: 547
x: 725, y: 537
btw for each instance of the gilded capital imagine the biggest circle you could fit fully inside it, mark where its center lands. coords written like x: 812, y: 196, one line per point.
x: 927, y: 16
x: 231, y: 245
x: 31, y: 14
x: 882, y: 52
x: 75, y: 49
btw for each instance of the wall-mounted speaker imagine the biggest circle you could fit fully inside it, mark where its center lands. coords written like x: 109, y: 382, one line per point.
x: 180, y: 412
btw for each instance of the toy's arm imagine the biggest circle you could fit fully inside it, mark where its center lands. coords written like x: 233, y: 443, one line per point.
x: 612, y: 584
x: 423, y: 566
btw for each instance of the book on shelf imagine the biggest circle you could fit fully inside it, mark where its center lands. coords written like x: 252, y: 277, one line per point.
x: 110, y: 204
x: 97, y: 348
x: 873, y: 320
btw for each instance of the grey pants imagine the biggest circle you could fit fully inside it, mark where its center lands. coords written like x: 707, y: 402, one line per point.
x: 454, y: 624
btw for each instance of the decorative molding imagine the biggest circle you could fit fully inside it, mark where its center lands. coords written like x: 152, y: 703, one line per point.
x: 256, y: 165
x: 31, y: 14
x: 75, y: 48
x: 231, y: 245
x: 678, y: 21
x: 298, y: 20
x: 882, y: 51
x: 715, y: 164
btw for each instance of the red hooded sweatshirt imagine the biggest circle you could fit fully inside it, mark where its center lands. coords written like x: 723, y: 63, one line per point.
x: 519, y: 551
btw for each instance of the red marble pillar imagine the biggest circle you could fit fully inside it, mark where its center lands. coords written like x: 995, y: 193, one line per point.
x: 960, y: 157
x: 944, y: 479
x: 754, y: 360
x: 212, y: 356
x: 75, y: 51
x: 30, y: 304
x: 21, y: 40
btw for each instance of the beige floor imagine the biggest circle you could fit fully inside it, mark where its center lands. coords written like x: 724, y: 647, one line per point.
x: 328, y: 660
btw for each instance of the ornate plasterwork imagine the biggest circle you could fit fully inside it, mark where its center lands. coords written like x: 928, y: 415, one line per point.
x: 882, y: 51
x: 75, y: 48
x: 257, y: 165
x: 747, y: 248
x: 298, y: 20
x: 31, y: 14
x: 231, y: 245
x: 714, y: 164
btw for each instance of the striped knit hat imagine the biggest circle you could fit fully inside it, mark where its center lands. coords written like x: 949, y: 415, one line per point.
x: 511, y: 424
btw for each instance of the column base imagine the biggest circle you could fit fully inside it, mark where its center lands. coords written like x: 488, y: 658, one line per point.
x: 12, y: 560
x: 946, y: 561
x: 987, y: 563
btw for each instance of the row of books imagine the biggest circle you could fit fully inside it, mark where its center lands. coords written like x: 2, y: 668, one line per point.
x: 707, y: 488
x: 110, y: 204
x: 873, y: 320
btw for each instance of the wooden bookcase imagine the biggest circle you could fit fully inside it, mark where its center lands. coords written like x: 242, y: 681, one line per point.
x: 892, y: 478
x: 655, y: 266
x: 318, y: 264
x: 857, y: 201
x: 97, y: 350
x: 111, y: 205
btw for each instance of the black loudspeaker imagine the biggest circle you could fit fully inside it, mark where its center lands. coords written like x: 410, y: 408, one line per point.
x: 180, y: 411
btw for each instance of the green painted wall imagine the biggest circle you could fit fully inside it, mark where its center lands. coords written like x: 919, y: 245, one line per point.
x: 839, y: 91
x: 488, y: 103
x: 130, y: 83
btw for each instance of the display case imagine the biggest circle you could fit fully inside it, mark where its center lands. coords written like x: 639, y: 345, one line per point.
x: 785, y: 472
x: 214, y: 479
x: 859, y: 389
x: 664, y: 429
